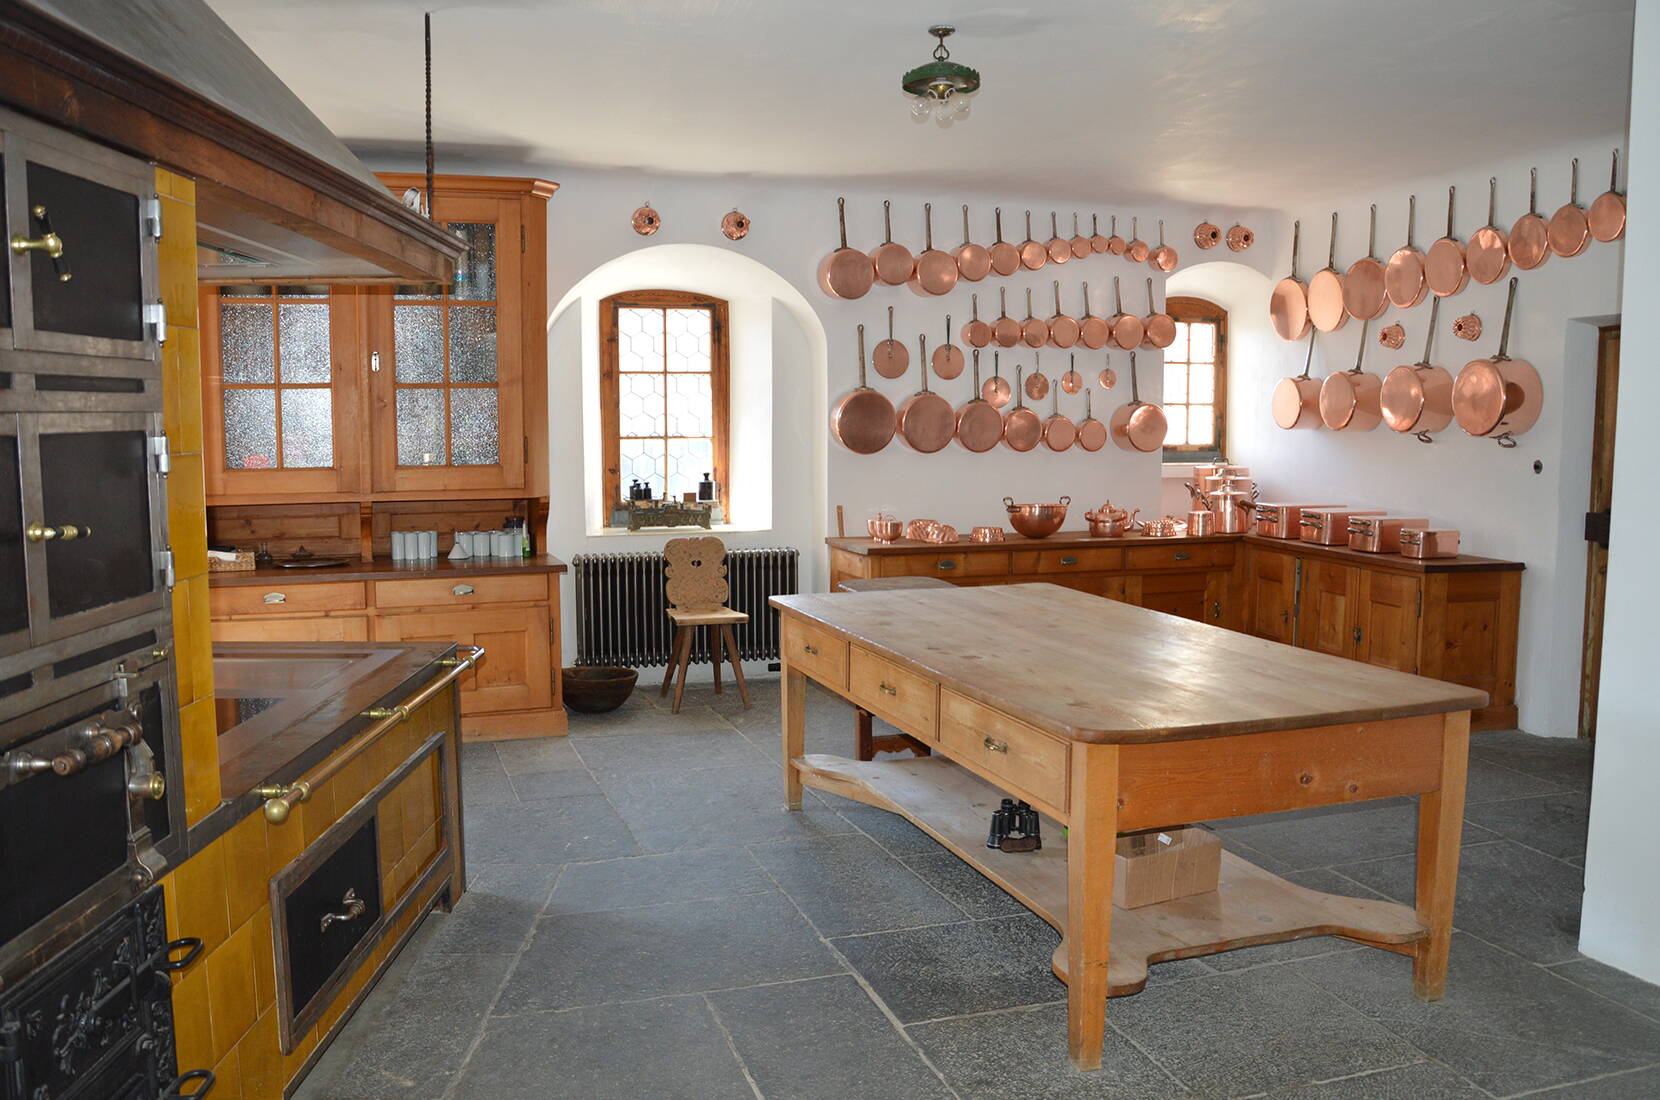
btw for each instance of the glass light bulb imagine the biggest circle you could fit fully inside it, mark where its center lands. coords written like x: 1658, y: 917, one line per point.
x: 920, y: 108
x: 942, y: 119
x: 959, y: 107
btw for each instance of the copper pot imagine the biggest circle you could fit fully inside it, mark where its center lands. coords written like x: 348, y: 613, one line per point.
x: 1379, y: 534
x: 1296, y: 400
x: 1330, y: 526
x: 1570, y: 228
x: 1109, y: 522
x: 1349, y: 400
x: 893, y: 263
x: 1429, y: 542
x: 1282, y: 521
x: 1530, y: 236
x: 1201, y: 522
x: 1137, y: 426
x: 1036, y: 521
x: 1005, y: 256
x: 1607, y: 216
x: 1325, y: 291
x: 1498, y: 397
x: 1233, y: 509
x: 1418, y: 398
x: 1403, y: 275
x: 1444, y: 268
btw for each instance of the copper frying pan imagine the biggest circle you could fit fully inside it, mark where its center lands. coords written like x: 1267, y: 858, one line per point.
x: 1137, y: 249
x: 863, y: 419
x: 1127, y: 328
x: 1063, y: 330
x: 979, y: 425
x: 976, y: 333
x: 1098, y: 243
x: 1163, y: 257
x: 1021, y: 427
x: 1288, y: 306
x: 846, y: 272
x: 948, y: 357
x: 1159, y: 328
x: 1349, y: 399
x: 1530, y: 236
x: 1005, y: 257
x: 890, y: 358
x: 1059, y: 433
x: 1115, y: 243
x: 1108, y: 378
x: 973, y: 260
x: 1005, y: 330
x: 1444, y: 268
x: 1607, y: 215
x: 1296, y: 400
x: 1403, y: 275
x: 1137, y: 426
x: 1033, y: 329
x: 936, y: 270
x: 1363, y: 287
x: 1418, y: 398
x: 1072, y: 381
x: 1092, y: 434
x: 996, y: 388
x: 1080, y: 243
x: 1570, y: 229
x: 1033, y: 254
x: 1325, y: 291
x: 926, y: 421
x: 1037, y: 383
x: 894, y: 262
x: 1060, y: 249
x: 1093, y: 331
x: 1488, y: 254
x: 1501, y: 396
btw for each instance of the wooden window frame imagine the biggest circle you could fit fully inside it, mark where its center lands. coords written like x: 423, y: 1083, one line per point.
x: 1191, y: 309
x: 609, y: 387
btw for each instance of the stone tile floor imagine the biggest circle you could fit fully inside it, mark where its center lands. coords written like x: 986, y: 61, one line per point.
x: 645, y: 920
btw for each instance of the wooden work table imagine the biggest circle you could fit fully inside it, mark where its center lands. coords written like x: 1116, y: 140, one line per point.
x: 1110, y: 718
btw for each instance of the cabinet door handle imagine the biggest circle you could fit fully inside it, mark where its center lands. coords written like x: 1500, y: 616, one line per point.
x: 1182, y: 555
x: 810, y: 648
x: 995, y: 745
x: 275, y: 597
x: 1216, y: 609
x: 462, y: 590
x: 1285, y: 616
x: 945, y: 564
x: 1357, y: 635
x: 354, y: 908
x: 1069, y: 560
x: 886, y: 688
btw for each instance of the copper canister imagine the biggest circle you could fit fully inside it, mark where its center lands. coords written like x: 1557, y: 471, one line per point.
x: 1330, y: 526
x: 1283, y: 521
x: 1379, y: 534
x: 1429, y: 542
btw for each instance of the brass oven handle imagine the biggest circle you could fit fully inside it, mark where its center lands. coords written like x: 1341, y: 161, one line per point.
x: 280, y: 799
x: 995, y: 745
x: 886, y: 688
x: 48, y: 242
x: 355, y: 907
x: 69, y: 532
x: 808, y: 647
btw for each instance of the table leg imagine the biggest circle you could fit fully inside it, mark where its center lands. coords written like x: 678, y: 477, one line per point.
x: 864, y: 747
x: 793, y: 700
x: 1440, y: 829
x: 1092, y: 835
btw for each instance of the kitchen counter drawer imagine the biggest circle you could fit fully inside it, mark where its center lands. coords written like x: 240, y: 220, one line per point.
x: 947, y: 564
x: 1026, y: 761
x: 902, y: 697
x: 819, y: 653
x: 1207, y: 555
x: 293, y: 599
x: 1068, y: 561
x: 461, y: 591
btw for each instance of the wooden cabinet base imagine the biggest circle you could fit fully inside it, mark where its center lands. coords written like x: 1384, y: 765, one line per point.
x: 515, y: 725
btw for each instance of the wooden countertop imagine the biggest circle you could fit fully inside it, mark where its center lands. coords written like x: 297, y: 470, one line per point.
x: 1102, y: 671
x: 385, y: 569
x: 1073, y: 539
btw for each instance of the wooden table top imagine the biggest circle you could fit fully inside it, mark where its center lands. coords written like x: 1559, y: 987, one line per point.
x: 1094, y: 669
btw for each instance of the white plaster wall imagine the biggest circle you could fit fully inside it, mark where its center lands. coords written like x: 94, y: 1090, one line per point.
x: 1622, y: 884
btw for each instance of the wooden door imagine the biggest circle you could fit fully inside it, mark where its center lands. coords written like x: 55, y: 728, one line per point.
x: 1326, y: 608
x: 1596, y: 525
x: 1272, y: 600
x: 516, y: 672
x: 1387, y: 617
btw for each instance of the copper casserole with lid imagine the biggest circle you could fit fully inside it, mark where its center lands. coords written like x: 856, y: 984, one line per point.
x: 1282, y: 521
x: 1429, y: 542
x: 1379, y: 534
x: 1330, y: 526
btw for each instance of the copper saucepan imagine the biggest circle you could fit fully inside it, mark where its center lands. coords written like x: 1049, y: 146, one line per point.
x: 1296, y: 400
x: 936, y: 270
x: 1488, y: 254
x: 1108, y: 378
x: 1163, y: 257
x: 1092, y: 434
x: 996, y: 388
x: 1325, y: 291
x: 1036, y: 521
x: 1021, y: 427
x: 1005, y: 330
x: 1080, y: 243
x: 1093, y: 331
x: 1137, y: 250
x: 1349, y: 399
x: 1005, y: 257
x: 891, y: 358
x: 1060, y: 249
x: 948, y: 357
x: 1033, y: 254
x: 1072, y: 381
x: 1570, y: 228
x: 927, y: 422
x: 1607, y: 216
x: 979, y: 425
x: 1288, y: 306
x: 1418, y: 398
x: 1444, y: 267
x: 1037, y: 383
x: 1530, y: 236
x: 1498, y: 397
x: 1159, y: 328
x: 893, y: 262
x: 1034, y: 330
x: 1403, y: 275
x: 1127, y: 328
x: 1059, y: 433
x: 1364, y: 294
x: 1063, y: 330
x: 1137, y: 426
x: 846, y: 272
x: 973, y: 260
x: 1116, y: 244
x: 976, y: 333
x: 862, y: 419
x: 1098, y: 242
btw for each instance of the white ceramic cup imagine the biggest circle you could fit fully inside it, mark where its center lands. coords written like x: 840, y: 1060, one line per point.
x: 400, y: 546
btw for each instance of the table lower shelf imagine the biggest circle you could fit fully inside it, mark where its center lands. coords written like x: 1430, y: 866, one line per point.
x: 1249, y: 907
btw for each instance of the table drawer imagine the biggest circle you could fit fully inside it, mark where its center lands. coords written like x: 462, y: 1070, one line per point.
x: 1068, y: 561
x: 1209, y: 555
x: 462, y: 591
x: 945, y: 564
x: 287, y: 599
x: 820, y: 653
x: 1022, y: 758
x: 902, y: 697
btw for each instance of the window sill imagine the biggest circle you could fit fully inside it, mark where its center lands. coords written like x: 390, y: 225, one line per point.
x: 672, y: 532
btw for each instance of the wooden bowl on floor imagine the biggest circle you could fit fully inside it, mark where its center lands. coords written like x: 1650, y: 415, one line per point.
x: 595, y: 689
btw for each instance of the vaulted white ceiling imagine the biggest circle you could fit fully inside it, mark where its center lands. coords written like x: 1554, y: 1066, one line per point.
x: 1248, y: 102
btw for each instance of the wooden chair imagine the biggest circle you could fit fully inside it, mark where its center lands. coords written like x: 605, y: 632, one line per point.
x: 695, y: 586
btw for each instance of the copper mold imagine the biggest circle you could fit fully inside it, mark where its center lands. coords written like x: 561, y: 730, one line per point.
x: 1530, y: 236
x: 884, y: 528
x: 1207, y: 235
x: 1239, y: 238
x: 1005, y: 257
x: 1444, y: 268
x: 973, y: 260
x: 893, y: 262
x: 734, y: 226
x: 891, y: 358
x: 1392, y: 337
x: 987, y: 534
x: 1325, y: 291
x: 1467, y: 327
x: 646, y: 221
x: 1488, y: 254
x: 846, y: 272
x: 1570, y: 228
x: 1403, y: 275
x: 1607, y: 214
x: 863, y: 419
x: 1288, y: 307
x: 1429, y: 542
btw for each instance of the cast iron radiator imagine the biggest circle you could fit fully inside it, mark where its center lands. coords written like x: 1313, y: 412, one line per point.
x: 622, y: 618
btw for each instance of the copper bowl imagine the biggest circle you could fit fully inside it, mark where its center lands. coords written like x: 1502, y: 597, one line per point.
x: 1036, y: 521
x: 884, y: 528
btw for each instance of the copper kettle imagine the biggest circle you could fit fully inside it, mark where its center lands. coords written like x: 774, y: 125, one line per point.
x: 1110, y: 522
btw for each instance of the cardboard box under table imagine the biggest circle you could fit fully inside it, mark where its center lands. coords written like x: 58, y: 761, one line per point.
x: 1162, y: 864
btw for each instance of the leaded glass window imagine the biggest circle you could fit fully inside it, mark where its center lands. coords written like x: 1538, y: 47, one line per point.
x: 277, y: 366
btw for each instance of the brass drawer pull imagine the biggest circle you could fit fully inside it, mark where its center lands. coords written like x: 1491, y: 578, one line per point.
x: 886, y: 688
x: 462, y: 590
x: 995, y: 745
x: 355, y: 907
x: 1182, y: 555
x: 1069, y: 560
x: 275, y: 597
x: 808, y: 647
x: 69, y: 532
x: 945, y: 563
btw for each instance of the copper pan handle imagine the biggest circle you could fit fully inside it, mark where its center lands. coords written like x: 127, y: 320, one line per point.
x: 1614, y: 174
x: 997, y: 214
x: 1533, y: 191
x: 1451, y: 191
x: 1492, y: 200
x: 965, y: 223
x: 1309, y: 360
x: 1331, y: 253
x: 922, y: 344
x: 1411, y: 220
x: 1360, y: 352
x: 841, y: 218
x: 1372, y: 235
x: 887, y: 222
x: 1573, y: 183
x: 1296, y: 244
x: 1504, y: 333
x: 928, y: 225
x: 862, y: 358
x: 1429, y: 337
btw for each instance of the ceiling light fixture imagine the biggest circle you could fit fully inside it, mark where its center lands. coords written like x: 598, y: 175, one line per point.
x: 942, y: 89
